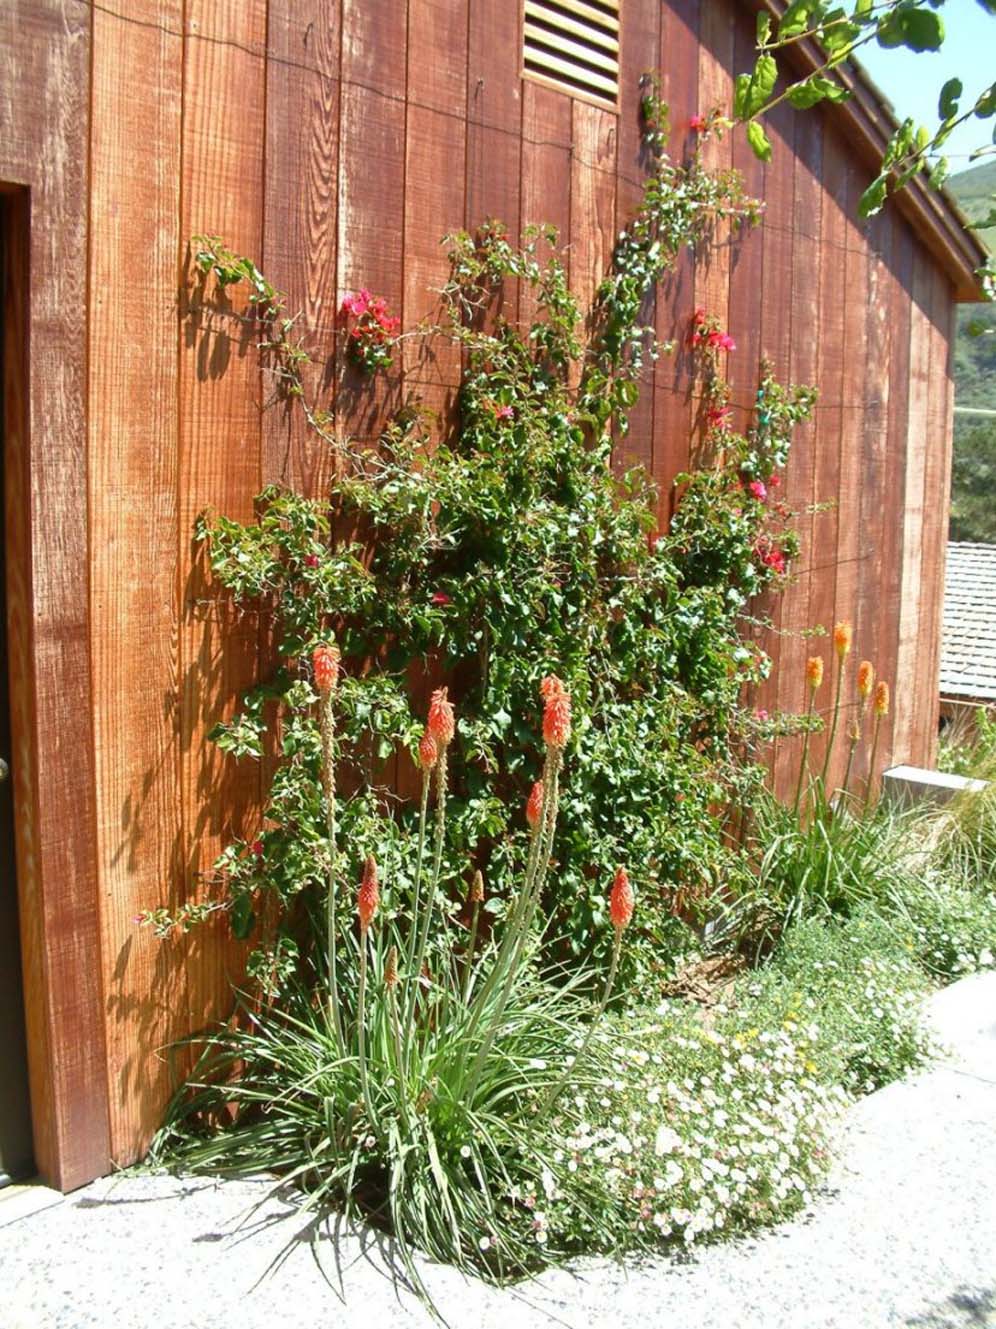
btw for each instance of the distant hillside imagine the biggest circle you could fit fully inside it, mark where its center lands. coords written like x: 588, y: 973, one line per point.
x: 975, y: 357
x: 973, y: 481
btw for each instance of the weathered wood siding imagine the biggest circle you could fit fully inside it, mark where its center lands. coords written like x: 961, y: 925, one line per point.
x: 338, y: 140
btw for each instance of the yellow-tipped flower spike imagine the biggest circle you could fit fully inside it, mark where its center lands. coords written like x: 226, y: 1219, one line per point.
x: 881, y: 702
x: 391, y: 969
x: 814, y: 671
x: 477, y: 888
x: 843, y: 636
x: 866, y: 679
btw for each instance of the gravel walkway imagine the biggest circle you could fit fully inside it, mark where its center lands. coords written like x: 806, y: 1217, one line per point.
x: 905, y: 1234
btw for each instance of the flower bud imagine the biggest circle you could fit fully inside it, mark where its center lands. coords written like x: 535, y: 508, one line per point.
x: 428, y: 751
x: 391, y: 969
x: 325, y: 663
x: 814, y: 671
x: 843, y: 635
x: 881, y: 702
x: 477, y: 888
x: 368, y: 896
x: 621, y: 900
x: 441, y: 725
x: 534, y: 804
x: 556, y: 715
x: 866, y: 679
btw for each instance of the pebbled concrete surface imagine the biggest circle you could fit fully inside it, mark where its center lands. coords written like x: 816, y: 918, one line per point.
x: 903, y: 1235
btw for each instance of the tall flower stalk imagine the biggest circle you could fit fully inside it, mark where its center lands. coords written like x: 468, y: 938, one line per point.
x: 814, y: 677
x: 866, y: 681
x: 880, y: 709
x: 325, y: 666
x: 843, y: 636
x: 367, y: 900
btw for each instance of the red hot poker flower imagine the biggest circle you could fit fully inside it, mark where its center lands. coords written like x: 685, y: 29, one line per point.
x: 621, y: 900
x: 866, y: 679
x: 843, y: 635
x: 441, y: 725
x: 534, y: 804
x: 550, y: 686
x: 428, y: 751
x: 368, y: 896
x: 557, y: 719
x: 881, y: 701
x: 325, y: 663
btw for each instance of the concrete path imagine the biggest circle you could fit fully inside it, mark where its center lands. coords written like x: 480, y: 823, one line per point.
x: 904, y: 1234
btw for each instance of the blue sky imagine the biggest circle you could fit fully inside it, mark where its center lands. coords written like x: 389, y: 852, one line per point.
x: 912, y: 82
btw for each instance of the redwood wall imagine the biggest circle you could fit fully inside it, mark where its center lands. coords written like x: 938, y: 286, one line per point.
x: 337, y: 141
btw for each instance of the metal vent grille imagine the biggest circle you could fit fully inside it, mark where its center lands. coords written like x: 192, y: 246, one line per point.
x: 574, y: 44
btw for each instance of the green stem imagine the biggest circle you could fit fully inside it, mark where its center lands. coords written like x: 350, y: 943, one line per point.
x: 327, y: 730
x: 361, y: 1029
x: 805, y: 752
x: 469, y: 964
x: 871, y: 762
x: 430, y: 901
x: 411, y: 978
x: 559, y: 1085
x: 827, y: 756
x: 400, y: 1064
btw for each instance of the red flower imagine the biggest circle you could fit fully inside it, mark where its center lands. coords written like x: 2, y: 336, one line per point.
x: 441, y: 598
x: 257, y: 848
x: 428, y: 751
x: 774, y: 481
x: 621, y: 900
x: 557, y: 718
x: 441, y: 725
x: 761, y: 714
x: 368, y: 896
x: 697, y: 124
x: 726, y: 342
x: 311, y: 561
x: 757, y: 488
x: 717, y: 416
x: 550, y: 687
x: 325, y: 662
x: 534, y: 804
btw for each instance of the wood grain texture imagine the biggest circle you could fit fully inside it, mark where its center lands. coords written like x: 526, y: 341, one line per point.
x: 219, y: 456
x: 300, y: 223
x: 593, y: 198
x: 679, y: 66
x: 910, y: 640
x: 546, y: 170
x: 371, y: 192
x: 44, y: 129
x: 134, y: 202
x: 435, y: 173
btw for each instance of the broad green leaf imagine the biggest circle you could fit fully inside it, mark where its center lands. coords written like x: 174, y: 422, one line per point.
x: 874, y: 196
x: 862, y: 9
x: 939, y: 173
x: 741, y: 90
x: 889, y: 32
x: 758, y: 141
x: 923, y: 30
x: 764, y: 28
x: 762, y: 84
x: 795, y: 20
x: 986, y: 104
x: 241, y: 917
x: 947, y: 104
x: 816, y: 89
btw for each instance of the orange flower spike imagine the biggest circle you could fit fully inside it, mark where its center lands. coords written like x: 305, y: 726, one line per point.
x: 534, y: 804
x: 368, y: 896
x: 843, y: 637
x: 325, y: 663
x: 428, y: 751
x: 881, y: 702
x: 621, y: 900
x: 476, y: 894
x: 866, y: 679
x: 556, y: 716
x: 441, y: 725
x: 550, y: 687
x: 814, y: 671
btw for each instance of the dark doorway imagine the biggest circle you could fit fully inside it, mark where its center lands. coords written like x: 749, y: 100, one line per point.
x: 15, y: 1114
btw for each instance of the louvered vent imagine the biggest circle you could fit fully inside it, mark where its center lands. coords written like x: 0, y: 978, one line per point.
x: 574, y: 44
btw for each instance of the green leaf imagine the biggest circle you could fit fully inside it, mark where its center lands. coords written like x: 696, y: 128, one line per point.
x: 986, y: 104
x: 815, y: 89
x: 795, y: 20
x: 862, y: 9
x: 741, y: 92
x: 947, y: 104
x: 874, y: 196
x: 922, y: 29
x: 758, y: 141
x: 764, y: 28
x: 939, y: 173
x: 242, y: 918
x: 762, y: 85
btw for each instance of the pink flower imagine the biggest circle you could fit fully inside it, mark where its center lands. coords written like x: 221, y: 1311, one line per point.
x: 774, y: 481
x: 356, y: 303
x: 697, y: 124
x: 761, y: 714
x: 726, y: 342
x: 757, y: 488
x: 717, y: 416
x: 441, y: 598
x: 504, y: 413
x: 311, y: 561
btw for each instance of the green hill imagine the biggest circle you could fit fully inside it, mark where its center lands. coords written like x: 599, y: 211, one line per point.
x: 973, y: 482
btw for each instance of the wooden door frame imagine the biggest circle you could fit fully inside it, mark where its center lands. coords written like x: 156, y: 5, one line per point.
x: 45, y: 54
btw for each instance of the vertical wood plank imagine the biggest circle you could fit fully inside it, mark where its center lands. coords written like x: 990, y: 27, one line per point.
x: 44, y: 129
x: 593, y: 198
x: 300, y: 229
x: 829, y: 272
x: 917, y: 444
x: 546, y: 170
x: 371, y: 190
x: 717, y: 29
x: 435, y: 157
x: 220, y: 394
x: 640, y: 34
x: 135, y: 177
x: 679, y: 66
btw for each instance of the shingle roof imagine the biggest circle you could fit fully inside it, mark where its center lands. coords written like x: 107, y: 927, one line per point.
x: 968, y: 650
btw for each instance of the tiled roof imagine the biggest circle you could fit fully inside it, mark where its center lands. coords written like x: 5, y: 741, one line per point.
x: 968, y: 650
